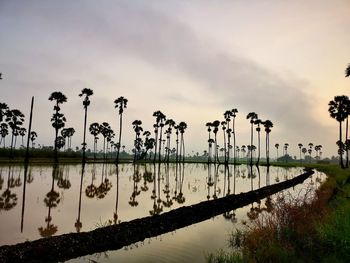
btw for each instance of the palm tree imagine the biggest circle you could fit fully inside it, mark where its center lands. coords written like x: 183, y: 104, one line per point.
x: 171, y: 124
x: 86, y: 102
x: 227, y: 116
x: 310, y: 150
x: 160, y: 119
x: 14, y: 118
x: 137, y: 143
x: 234, y: 112
x: 317, y: 149
x: 338, y: 110
x: 182, y: 128
x: 58, y: 120
x: 22, y: 132
x: 258, y: 129
x: 286, y: 151
x: 64, y: 134
x: 105, y: 130
x: 33, y: 136
x: 95, y: 130
x: 4, y: 131
x: 267, y: 125
x: 70, y: 133
x: 304, y: 151
x: 252, y: 116
x: 216, y: 124
x: 223, y: 124
x: 276, y: 146
x: 347, y: 71
x: 209, y: 125
x: 300, y: 147
x: 121, y: 104
x: 149, y: 142
x: 3, y: 109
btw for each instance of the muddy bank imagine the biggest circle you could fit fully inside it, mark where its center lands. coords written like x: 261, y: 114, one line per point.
x: 67, y: 246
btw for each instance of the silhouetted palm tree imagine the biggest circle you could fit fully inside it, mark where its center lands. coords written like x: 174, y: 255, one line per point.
x: 286, y: 151
x: 171, y: 124
x: 317, y: 149
x: 14, y: 118
x: 223, y: 126
x: 86, y: 102
x: 33, y: 136
x: 227, y: 116
x: 64, y: 134
x: 276, y: 146
x: 121, y: 104
x: 258, y: 129
x: 267, y: 125
x: 182, y: 128
x: 300, y: 147
x: 58, y: 120
x: 3, y: 109
x: 216, y: 124
x: 160, y: 119
x: 304, y: 151
x: 234, y: 112
x: 209, y: 125
x: 338, y: 111
x: 252, y: 116
x: 4, y: 131
x: 95, y: 130
x: 138, y: 141
x: 106, y: 131
x: 310, y: 150
x: 22, y: 132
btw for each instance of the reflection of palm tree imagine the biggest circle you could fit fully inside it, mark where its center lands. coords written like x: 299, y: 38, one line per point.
x: 115, y: 214
x: 91, y: 189
x: 135, y: 192
x: 78, y: 224
x: 8, y: 200
x: 277, y: 145
x: 87, y: 93
x: 51, y: 200
x: 121, y: 104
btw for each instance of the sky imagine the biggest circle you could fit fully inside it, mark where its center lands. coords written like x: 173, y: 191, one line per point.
x: 192, y: 60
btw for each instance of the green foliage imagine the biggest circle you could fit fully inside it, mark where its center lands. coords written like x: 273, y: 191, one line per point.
x: 224, y: 257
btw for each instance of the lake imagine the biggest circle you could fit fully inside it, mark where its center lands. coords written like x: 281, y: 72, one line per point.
x: 57, y: 200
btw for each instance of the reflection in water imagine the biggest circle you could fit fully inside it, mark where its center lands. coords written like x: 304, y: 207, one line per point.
x: 156, y: 190
x: 51, y: 200
x: 78, y: 224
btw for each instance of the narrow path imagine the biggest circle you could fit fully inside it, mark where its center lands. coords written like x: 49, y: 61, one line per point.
x: 67, y: 246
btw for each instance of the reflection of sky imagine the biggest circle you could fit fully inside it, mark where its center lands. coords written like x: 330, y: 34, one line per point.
x: 98, y: 209
x: 190, y: 60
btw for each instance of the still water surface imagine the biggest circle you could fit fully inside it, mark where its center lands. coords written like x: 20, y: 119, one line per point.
x: 52, y: 201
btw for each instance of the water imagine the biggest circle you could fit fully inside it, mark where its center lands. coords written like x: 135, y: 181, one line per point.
x: 66, y: 199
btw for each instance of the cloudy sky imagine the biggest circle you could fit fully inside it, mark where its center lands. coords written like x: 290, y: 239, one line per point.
x: 190, y: 59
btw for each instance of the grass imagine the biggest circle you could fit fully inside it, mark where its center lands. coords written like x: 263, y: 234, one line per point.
x: 313, y: 229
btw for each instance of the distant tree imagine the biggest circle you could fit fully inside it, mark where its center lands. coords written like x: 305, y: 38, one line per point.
x: 58, y: 120
x: 138, y: 141
x: 209, y: 125
x: 304, y: 151
x: 106, y: 131
x: 252, y: 116
x: 286, y: 151
x: 3, y: 109
x: 160, y: 119
x: 234, y: 112
x: 227, y: 116
x: 171, y: 124
x: 120, y: 104
x: 224, y: 149
x: 22, y: 131
x: 216, y: 124
x: 257, y: 122
x: 338, y: 110
x: 310, y: 150
x: 86, y: 102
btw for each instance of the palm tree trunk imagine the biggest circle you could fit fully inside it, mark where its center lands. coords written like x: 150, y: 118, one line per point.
x: 155, y: 146
x: 346, y: 139
x: 257, y: 162
x: 160, y: 145
x: 224, y: 146
x: 251, y: 144
x: 84, y: 139
x: 183, y: 148
x: 234, y: 140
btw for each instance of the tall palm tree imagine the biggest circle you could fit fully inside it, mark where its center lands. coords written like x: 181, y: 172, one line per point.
x: 121, y: 104
x: 64, y: 134
x: 182, y: 128
x: 277, y: 146
x: 86, y: 102
x: 286, y: 145
x: 234, y: 114
x: 22, y: 132
x: 70, y: 133
x: 4, y: 131
x: 223, y: 126
x: 95, y: 130
x: 300, y: 147
x: 209, y: 125
x: 258, y: 129
x: 171, y: 124
x: 338, y: 110
x: 33, y: 136
x: 227, y: 116
x: 58, y: 120
x: 160, y: 119
x: 310, y: 150
x: 267, y: 125
x: 216, y: 124
x: 14, y: 118
x: 304, y: 151
x: 137, y: 143
x: 106, y: 130
x: 252, y: 116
